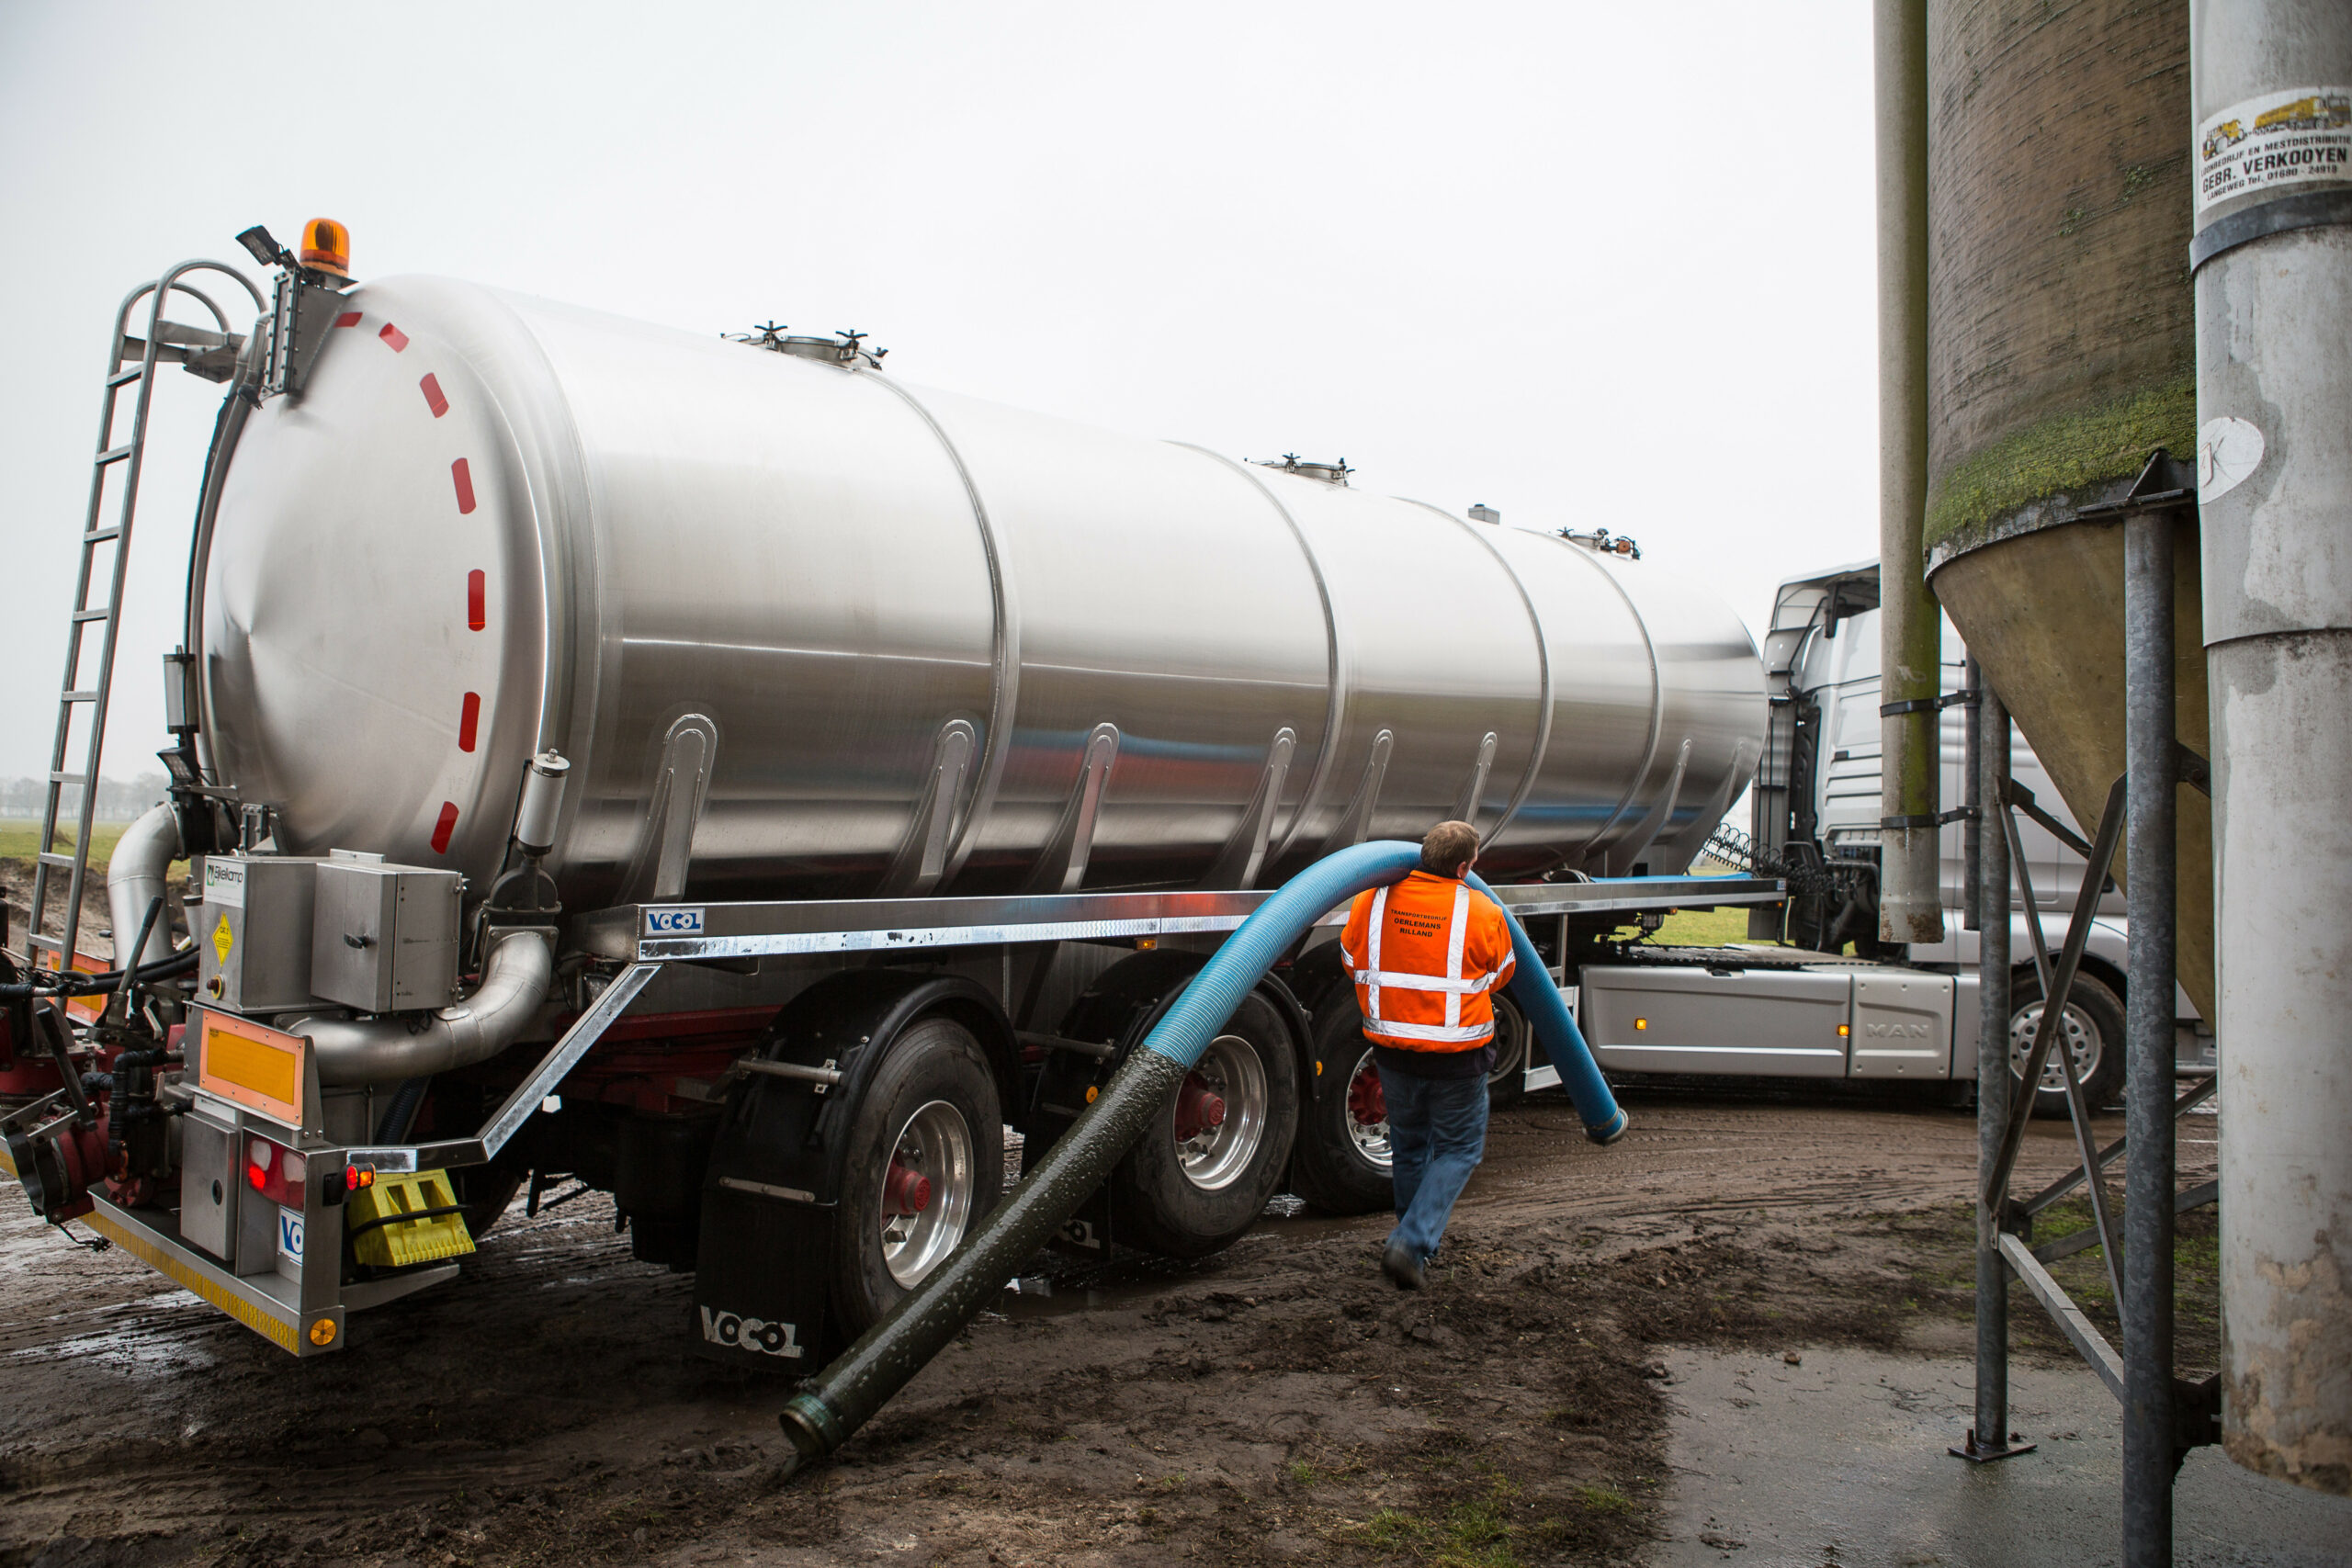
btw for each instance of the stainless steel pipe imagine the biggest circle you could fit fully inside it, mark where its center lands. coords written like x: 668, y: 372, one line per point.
x: 2146, y: 1304
x: 135, y: 874
x: 2273, y: 259
x: 514, y: 982
x: 1991, y: 1433
x: 1910, y: 627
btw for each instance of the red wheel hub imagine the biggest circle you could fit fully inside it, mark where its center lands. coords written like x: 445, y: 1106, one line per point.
x: 905, y: 1191
x: 1366, y: 1101
x: 1198, y: 1109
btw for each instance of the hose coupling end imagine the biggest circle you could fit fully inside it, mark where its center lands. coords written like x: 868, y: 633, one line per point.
x: 1609, y: 1131
x: 814, y: 1430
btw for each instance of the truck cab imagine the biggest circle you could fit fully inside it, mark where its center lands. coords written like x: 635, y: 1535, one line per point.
x: 1814, y: 993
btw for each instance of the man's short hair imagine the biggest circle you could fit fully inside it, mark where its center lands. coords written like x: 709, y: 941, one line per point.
x: 1448, y: 847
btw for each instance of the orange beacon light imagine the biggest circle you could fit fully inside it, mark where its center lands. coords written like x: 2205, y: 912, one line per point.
x: 326, y: 247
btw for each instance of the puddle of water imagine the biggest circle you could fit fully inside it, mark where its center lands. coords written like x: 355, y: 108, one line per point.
x: 1842, y: 1459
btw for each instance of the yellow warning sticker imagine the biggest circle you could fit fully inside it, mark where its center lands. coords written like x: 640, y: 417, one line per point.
x: 222, y: 940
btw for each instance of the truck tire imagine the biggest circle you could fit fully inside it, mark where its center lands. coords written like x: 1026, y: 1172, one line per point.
x: 1192, y: 1196
x: 487, y: 1192
x: 2093, y: 1030
x: 930, y: 1116
x: 1513, y: 1040
x: 1341, y: 1166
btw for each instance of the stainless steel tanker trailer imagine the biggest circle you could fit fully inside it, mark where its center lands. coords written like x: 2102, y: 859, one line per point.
x: 715, y: 772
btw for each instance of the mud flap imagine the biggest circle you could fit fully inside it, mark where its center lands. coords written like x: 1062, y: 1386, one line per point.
x: 760, y: 1293
x: 764, y: 1257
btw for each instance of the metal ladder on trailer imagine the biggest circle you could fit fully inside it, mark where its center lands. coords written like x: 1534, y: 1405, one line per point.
x: 131, y: 362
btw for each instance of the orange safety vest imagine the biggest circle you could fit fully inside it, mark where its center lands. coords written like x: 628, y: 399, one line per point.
x: 1425, y: 953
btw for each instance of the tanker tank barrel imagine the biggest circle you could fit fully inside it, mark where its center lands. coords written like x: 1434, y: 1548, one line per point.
x: 816, y: 712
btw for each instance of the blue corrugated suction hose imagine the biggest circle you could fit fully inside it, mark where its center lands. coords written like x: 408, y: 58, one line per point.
x: 847, y: 1393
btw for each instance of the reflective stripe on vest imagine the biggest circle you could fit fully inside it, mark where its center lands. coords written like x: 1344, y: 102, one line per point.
x: 1372, y: 978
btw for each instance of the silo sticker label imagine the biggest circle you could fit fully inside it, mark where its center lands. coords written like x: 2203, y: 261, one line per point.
x: 2228, y: 449
x: 2300, y: 137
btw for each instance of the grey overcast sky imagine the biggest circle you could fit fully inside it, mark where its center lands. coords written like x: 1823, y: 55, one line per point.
x: 1593, y: 265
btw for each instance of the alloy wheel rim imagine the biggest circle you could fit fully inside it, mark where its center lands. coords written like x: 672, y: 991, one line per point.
x: 2081, y: 1038
x: 1370, y: 1138
x: 1214, y: 1158
x: 1510, y: 1043
x: 935, y: 1144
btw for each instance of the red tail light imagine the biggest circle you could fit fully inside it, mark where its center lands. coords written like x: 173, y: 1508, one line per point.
x: 275, y: 1173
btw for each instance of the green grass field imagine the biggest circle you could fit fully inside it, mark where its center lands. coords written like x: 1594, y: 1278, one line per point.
x: 19, y: 839
x: 1703, y: 928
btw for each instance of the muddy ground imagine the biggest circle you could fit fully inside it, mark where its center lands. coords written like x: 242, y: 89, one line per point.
x: 1278, y: 1402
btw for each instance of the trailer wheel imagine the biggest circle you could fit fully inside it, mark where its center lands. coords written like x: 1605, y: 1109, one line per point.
x: 487, y: 1192
x: 1203, y: 1171
x: 2091, y: 1029
x: 1513, y: 1040
x: 924, y: 1161
x: 1343, y: 1165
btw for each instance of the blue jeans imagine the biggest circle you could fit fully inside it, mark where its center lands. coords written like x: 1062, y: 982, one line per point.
x: 1436, y: 1134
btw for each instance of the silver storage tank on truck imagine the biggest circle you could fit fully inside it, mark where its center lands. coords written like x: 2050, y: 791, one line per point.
x: 903, y: 631
x: 714, y: 773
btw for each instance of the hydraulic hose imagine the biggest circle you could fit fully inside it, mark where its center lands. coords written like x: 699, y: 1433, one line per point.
x: 847, y: 1393
x: 49, y: 983
x: 399, y: 1114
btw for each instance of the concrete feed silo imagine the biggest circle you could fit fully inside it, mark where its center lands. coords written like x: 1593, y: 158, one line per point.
x: 2062, y: 355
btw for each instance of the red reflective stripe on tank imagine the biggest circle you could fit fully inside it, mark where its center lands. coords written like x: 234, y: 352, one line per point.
x: 468, y: 717
x: 433, y: 397
x: 477, y: 595
x: 348, y: 319
x: 464, y: 476
x: 442, y: 828
x: 393, y: 335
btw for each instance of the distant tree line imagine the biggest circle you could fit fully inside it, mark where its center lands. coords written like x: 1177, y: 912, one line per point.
x: 120, y: 800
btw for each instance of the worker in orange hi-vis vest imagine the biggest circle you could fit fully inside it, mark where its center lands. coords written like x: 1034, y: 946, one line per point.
x: 1427, y: 954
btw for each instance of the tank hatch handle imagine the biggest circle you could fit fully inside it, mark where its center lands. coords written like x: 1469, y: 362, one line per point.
x: 1356, y: 821
x: 1466, y: 803
x: 1062, y: 865
x: 922, y: 858
x: 1622, y: 860
x: 1244, y: 854
x: 657, y: 873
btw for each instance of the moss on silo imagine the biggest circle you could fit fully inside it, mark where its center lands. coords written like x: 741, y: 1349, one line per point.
x: 2061, y: 348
